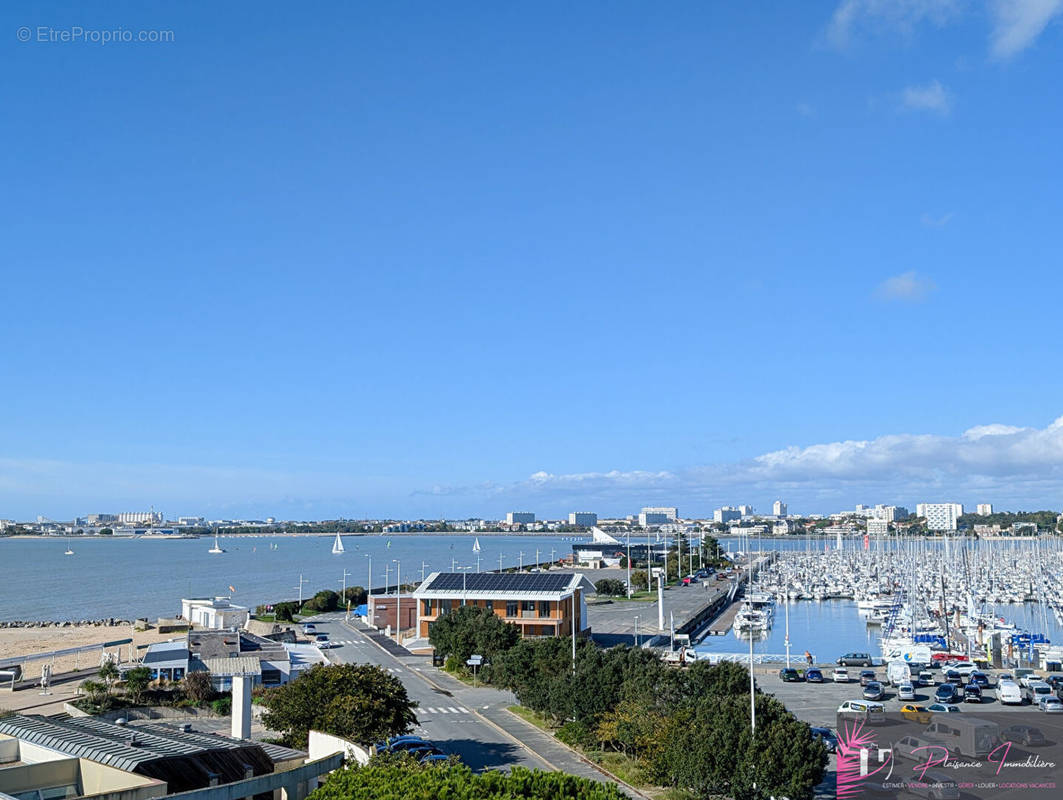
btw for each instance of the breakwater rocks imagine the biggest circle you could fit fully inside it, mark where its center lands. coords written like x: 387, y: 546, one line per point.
x: 83, y: 623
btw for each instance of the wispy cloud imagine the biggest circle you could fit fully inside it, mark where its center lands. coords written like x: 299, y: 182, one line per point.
x: 931, y: 97
x: 908, y: 287
x: 1017, y: 23
x: 853, y: 17
x: 931, y: 221
x: 1006, y: 462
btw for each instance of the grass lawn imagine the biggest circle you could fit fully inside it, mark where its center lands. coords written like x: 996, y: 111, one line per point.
x: 535, y: 719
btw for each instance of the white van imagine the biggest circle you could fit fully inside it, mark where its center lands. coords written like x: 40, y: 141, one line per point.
x: 871, y: 713
x: 898, y: 672
x: 965, y: 735
x: 1009, y: 693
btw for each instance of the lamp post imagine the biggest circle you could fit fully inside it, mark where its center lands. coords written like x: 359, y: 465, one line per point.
x: 398, y: 600
x: 369, y: 587
x: 387, y: 579
x: 423, y: 565
x: 536, y: 557
x: 464, y: 572
x: 636, y: 630
x: 786, y: 641
x: 499, y: 563
x: 344, y: 582
x: 520, y: 561
x: 629, y: 564
x: 302, y: 580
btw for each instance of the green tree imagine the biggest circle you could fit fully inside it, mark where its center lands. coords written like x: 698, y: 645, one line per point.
x: 355, y: 595
x: 469, y: 630
x: 108, y: 673
x: 136, y: 683
x: 106, y: 532
x: 325, y: 600
x: 390, y: 779
x: 359, y: 702
x: 96, y: 691
x: 610, y: 587
x: 639, y: 580
x: 197, y: 687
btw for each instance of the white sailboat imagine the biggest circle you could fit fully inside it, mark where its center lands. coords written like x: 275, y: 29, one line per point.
x: 216, y: 548
x: 69, y: 551
x: 337, y: 546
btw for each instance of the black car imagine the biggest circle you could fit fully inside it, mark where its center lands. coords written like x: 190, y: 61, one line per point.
x: 866, y: 676
x: 826, y: 735
x: 789, y: 675
x: 814, y: 675
x: 1023, y: 734
x: 945, y: 693
x: 855, y: 660
x: 972, y: 693
x: 954, y: 677
x: 979, y: 679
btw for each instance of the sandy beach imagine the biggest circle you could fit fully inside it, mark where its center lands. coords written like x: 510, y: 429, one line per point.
x: 23, y: 641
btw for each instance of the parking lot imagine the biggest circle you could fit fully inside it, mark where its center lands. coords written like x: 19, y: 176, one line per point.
x: 817, y: 703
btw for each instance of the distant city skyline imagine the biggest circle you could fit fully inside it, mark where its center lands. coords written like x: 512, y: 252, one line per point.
x: 689, y: 254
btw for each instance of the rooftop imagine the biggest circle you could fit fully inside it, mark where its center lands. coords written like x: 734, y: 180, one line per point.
x: 536, y: 585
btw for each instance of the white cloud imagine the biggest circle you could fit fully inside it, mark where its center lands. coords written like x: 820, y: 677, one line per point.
x: 1006, y: 463
x: 853, y: 16
x: 909, y: 287
x: 1017, y: 23
x: 931, y: 97
x: 931, y: 221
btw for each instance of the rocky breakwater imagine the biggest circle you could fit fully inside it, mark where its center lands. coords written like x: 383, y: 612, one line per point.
x: 109, y: 622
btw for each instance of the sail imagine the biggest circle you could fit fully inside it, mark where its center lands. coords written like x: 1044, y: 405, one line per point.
x: 337, y: 546
x: 476, y: 545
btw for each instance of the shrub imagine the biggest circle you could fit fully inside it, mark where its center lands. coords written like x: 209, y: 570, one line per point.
x: 611, y: 587
x: 576, y: 734
x: 639, y: 579
x: 223, y: 706
x: 197, y: 687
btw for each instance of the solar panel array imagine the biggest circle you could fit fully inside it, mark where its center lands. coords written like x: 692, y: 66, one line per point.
x: 493, y: 582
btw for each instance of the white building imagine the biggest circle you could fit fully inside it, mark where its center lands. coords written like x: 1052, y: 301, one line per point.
x: 726, y: 514
x: 586, y: 519
x: 778, y: 508
x: 940, y: 516
x: 140, y: 518
x: 878, y: 526
x: 745, y: 511
x: 658, y: 515
x: 216, y: 613
x: 984, y: 509
x: 520, y: 517
x: 888, y: 513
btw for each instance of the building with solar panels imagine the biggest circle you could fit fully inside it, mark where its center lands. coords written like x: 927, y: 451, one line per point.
x: 539, y: 603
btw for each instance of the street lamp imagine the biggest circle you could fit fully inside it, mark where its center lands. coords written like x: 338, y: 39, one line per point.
x: 464, y: 572
x: 636, y: 630
x: 369, y: 587
x: 520, y: 561
x: 343, y: 597
x: 398, y: 600
x: 629, y: 564
x: 302, y: 580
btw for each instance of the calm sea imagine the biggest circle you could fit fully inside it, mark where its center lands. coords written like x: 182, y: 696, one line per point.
x: 128, y: 578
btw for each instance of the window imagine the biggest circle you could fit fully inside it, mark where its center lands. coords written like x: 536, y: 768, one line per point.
x: 490, y: 605
x: 511, y: 608
x: 178, y: 673
x: 271, y: 677
x: 544, y: 608
x: 444, y: 607
x: 527, y: 605
x: 427, y: 607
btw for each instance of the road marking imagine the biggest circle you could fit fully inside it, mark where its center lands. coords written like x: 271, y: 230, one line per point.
x: 453, y: 710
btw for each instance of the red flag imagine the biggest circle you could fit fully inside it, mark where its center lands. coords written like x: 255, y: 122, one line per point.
x: 866, y: 541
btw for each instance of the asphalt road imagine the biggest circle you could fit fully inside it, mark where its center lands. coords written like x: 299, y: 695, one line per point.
x: 449, y: 721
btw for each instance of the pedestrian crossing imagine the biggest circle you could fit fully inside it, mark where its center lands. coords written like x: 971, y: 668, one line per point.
x: 355, y: 642
x: 444, y: 710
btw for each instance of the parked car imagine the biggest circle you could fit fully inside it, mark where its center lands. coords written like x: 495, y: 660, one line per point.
x: 855, y: 660
x: 309, y: 628
x: 972, y: 693
x: 395, y: 742
x: 789, y: 675
x: 1035, y: 690
x: 871, y: 713
x: 866, y: 676
x: 1051, y: 704
x: 926, y: 677
x: 954, y: 677
x: 1009, y: 693
x: 814, y: 675
x: 826, y: 735
x: 1024, y: 675
x: 1023, y: 734
x: 965, y: 668
x: 411, y: 746
x: 906, y: 692
x: 916, y: 713
x: 909, y: 746
x: 873, y: 691
x: 840, y: 675
x: 942, y: 708
x: 945, y: 693
x: 435, y: 758
x: 690, y: 580
x: 1055, y: 681
x: 979, y: 679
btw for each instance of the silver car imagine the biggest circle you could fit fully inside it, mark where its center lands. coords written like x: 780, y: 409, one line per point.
x: 906, y: 692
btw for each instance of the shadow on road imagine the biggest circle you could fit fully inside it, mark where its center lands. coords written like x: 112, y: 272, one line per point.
x: 481, y: 755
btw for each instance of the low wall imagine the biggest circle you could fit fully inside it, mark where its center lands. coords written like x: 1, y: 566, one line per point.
x: 325, y: 744
x: 145, y: 712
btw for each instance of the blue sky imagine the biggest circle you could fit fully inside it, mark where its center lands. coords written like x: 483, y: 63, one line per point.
x: 389, y: 259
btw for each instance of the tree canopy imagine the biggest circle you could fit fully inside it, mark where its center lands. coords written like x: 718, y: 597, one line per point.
x: 389, y: 780
x: 469, y: 630
x: 359, y: 702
